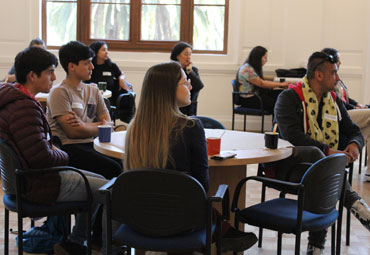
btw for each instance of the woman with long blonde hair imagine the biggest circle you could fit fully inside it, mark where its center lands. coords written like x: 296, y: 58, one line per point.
x: 160, y: 136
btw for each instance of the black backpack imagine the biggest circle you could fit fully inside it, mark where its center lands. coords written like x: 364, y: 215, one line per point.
x: 295, y: 72
x: 125, y: 106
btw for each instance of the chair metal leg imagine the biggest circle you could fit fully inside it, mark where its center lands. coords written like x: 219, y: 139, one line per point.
x: 6, y: 231
x: 245, y: 120
x: 360, y: 163
x: 297, y: 243
x: 263, y: 123
x: 365, y: 155
x: 333, y: 239
x: 348, y: 226
x: 20, y: 234
x: 280, y: 237
x: 260, y: 230
x: 232, y: 122
x: 89, y: 231
x: 339, y: 233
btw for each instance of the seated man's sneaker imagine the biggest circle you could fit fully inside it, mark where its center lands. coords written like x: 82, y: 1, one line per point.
x: 312, y: 250
x: 237, y: 241
x: 362, y: 212
x: 69, y: 248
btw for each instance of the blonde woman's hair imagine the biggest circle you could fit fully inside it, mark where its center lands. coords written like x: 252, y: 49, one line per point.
x: 149, y: 134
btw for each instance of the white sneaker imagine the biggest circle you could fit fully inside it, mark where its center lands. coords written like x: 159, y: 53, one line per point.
x: 312, y: 250
x: 362, y: 212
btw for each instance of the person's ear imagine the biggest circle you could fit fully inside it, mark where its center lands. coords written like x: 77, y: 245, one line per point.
x: 70, y: 66
x: 318, y: 75
x: 31, y: 76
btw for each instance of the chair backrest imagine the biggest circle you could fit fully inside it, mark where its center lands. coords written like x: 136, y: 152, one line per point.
x: 8, y: 163
x: 159, y: 202
x: 323, y: 183
x: 235, y: 89
x: 209, y: 122
x: 126, y: 107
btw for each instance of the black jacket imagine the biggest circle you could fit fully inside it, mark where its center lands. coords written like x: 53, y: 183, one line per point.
x: 289, y: 117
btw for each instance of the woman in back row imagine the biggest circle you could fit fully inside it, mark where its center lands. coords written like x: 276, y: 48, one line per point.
x: 181, y: 53
x: 107, y: 71
x: 250, y: 79
x: 160, y: 136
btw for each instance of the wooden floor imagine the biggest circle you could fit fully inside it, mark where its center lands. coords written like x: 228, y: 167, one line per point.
x: 360, y: 237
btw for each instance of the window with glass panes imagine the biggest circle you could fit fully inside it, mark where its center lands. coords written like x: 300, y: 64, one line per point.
x: 137, y: 25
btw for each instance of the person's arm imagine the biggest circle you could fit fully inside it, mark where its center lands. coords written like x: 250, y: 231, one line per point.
x: 199, y: 155
x: 194, y: 77
x: 289, y: 117
x: 75, y: 128
x: 350, y: 130
x: 268, y: 84
x: 31, y: 136
x: 122, y: 83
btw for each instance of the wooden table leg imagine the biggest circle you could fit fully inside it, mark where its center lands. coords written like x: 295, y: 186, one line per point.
x: 229, y: 175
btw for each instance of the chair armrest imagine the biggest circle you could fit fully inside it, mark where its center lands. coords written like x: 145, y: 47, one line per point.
x: 23, y: 172
x: 280, y: 185
x: 105, y: 188
x: 222, y: 195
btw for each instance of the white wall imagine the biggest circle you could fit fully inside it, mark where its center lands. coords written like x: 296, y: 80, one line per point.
x: 290, y: 29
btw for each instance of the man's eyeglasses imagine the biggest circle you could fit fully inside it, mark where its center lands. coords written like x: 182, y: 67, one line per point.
x: 325, y: 57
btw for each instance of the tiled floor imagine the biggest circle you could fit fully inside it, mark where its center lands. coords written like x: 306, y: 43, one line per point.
x: 360, y: 237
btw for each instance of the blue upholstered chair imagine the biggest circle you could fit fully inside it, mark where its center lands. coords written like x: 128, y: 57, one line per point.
x: 162, y: 210
x: 237, y: 109
x: 12, y: 180
x: 315, y: 209
x: 209, y: 122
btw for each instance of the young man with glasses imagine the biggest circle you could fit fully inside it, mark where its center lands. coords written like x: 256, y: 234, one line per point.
x: 310, y: 114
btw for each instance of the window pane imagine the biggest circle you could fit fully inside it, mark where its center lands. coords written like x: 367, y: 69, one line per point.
x: 112, y: 1
x: 110, y: 21
x: 212, y: 2
x: 161, y: 1
x: 160, y: 22
x: 208, y: 28
x: 61, y: 23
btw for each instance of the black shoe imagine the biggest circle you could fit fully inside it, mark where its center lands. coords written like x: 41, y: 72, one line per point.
x: 237, y: 241
x: 69, y: 248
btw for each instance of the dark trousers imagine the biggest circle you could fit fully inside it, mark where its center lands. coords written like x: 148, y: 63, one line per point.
x: 289, y: 169
x: 268, y: 97
x: 84, y: 156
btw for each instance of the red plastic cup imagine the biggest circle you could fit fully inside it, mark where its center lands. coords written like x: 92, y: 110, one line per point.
x: 213, y: 145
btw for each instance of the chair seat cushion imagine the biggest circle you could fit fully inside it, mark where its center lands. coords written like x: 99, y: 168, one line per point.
x: 38, y: 210
x: 280, y: 215
x: 187, y: 241
x: 250, y: 111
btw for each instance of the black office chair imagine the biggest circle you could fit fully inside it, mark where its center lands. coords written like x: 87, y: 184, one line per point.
x: 13, y: 185
x: 315, y: 209
x: 237, y: 109
x: 209, y: 122
x: 162, y: 210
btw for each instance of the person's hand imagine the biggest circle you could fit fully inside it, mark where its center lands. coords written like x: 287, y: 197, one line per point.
x: 189, y: 68
x: 285, y: 84
x: 73, y: 119
x: 331, y: 151
x: 353, y: 152
x: 53, y: 147
x: 360, y: 106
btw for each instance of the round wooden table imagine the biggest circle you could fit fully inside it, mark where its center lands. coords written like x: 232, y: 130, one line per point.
x: 249, y: 149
